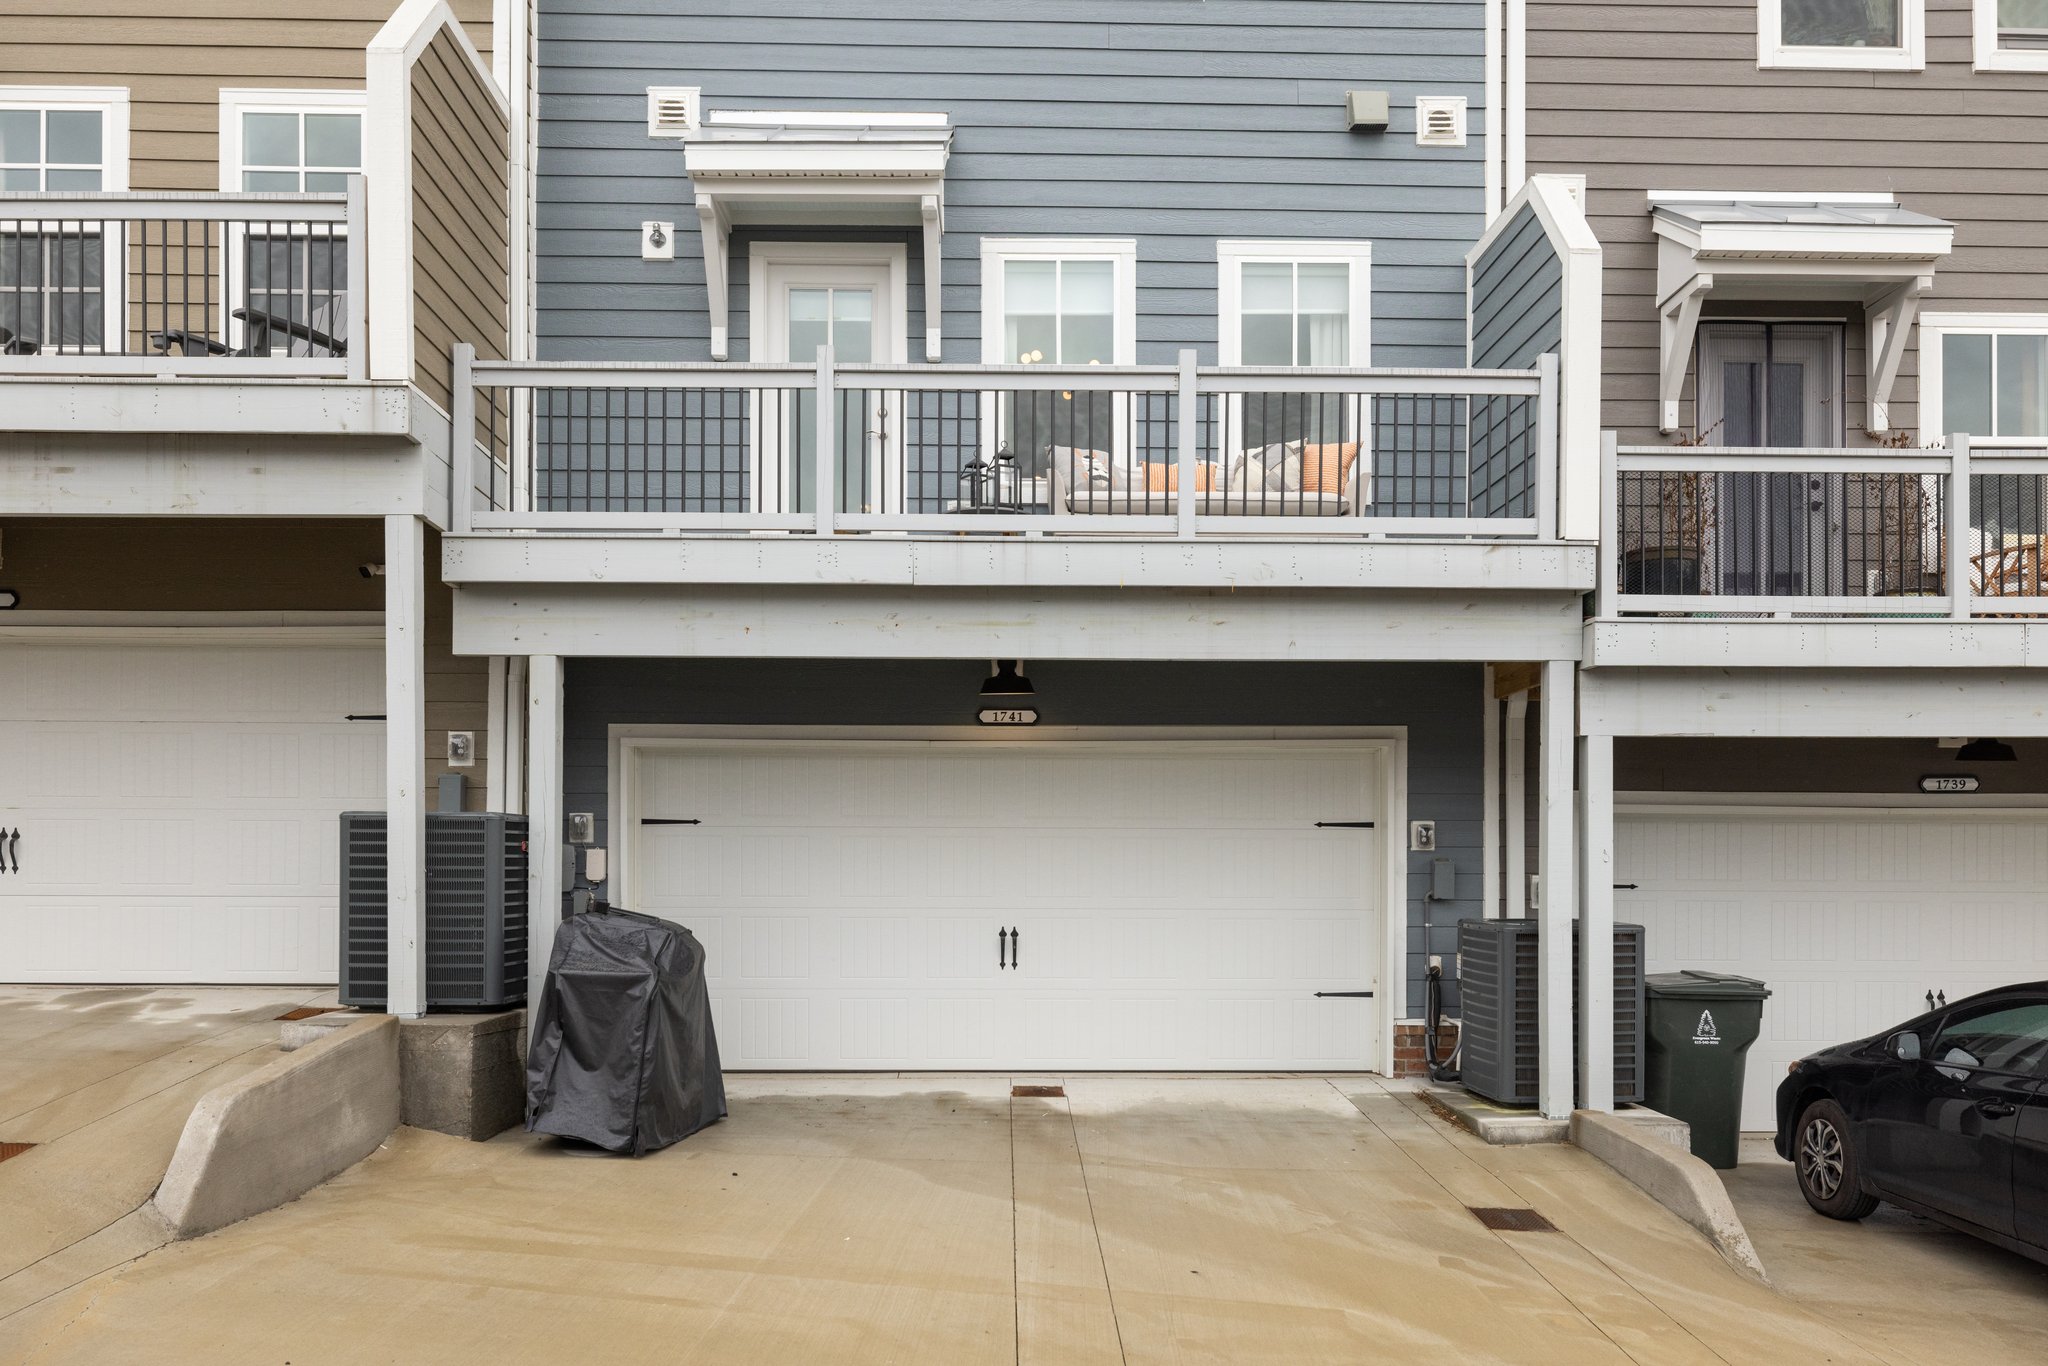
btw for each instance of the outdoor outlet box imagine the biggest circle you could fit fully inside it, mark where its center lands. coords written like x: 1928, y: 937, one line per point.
x: 593, y: 866
x: 657, y: 241
x: 461, y: 748
x: 582, y: 827
x: 1443, y: 879
x: 1535, y: 891
x: 1366, y: 109
x: 1421, y: 836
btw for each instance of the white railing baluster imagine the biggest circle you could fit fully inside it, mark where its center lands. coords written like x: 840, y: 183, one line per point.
x: 825, y: 440
x: 1958, y: 507
x: 1190, y: 407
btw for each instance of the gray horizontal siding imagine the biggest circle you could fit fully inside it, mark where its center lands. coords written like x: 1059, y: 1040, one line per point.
x: 1438, y: 703
x: 1517, y: 297
x: 1641, y: 96
x: 1174, y: 122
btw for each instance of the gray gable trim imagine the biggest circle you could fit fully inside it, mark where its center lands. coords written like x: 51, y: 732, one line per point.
x: 1175, y: 122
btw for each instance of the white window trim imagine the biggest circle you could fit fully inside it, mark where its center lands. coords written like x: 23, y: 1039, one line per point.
x: 1233, y: 255
x: 1121, y: 252
x: 1989, y: 55
x: 235, y: 103
x: 1911, y: 55
x: 1934, y: 329
x: 112, y: 103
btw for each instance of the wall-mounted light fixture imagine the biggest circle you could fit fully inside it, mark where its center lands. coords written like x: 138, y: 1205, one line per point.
x: 1005, y: 681
x: 1986, y: 752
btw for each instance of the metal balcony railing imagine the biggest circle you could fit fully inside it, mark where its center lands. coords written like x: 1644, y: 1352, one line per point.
x: 1720, y: 532
x: 160, y: 284
x: 1145, y: 450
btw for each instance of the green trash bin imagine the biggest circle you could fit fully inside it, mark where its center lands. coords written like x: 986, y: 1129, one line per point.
x: 1701, y: 1025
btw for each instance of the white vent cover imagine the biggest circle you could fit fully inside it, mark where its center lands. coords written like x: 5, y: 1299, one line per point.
x: 1440, y: 120
x: 672, y: 110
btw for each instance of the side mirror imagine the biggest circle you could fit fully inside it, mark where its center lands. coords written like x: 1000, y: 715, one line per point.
x: 1904, y: 1045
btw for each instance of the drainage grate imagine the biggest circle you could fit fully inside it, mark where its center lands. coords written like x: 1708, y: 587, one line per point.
x: 8, y: 1150
x: 1059, y: 1091
x: 308, y: 1012
x: 1512, y: 1220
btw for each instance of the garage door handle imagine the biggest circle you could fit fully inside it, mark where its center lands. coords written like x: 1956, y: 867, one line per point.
x: 14, y: 848
x: 1013, y: 949
x: 1002, y: 948
x: 1995, y: 1109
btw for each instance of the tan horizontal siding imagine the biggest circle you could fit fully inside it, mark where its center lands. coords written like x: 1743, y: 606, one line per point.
x: 175, y: 60
x: 460, y: 236
x: 1669, y: 96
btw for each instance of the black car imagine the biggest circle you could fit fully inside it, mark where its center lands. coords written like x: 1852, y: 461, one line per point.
x: 1946, y: 1115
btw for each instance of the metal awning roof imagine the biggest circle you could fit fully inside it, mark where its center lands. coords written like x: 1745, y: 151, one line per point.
x: 817, y: 168
x: 1865, y: 248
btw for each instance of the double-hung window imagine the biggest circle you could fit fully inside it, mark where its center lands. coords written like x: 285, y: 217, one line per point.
x: 292, y: 142
x: 1986, y: 375
x: 1063, y: 302
x: 2012, y: 35
x: 1854, y: 35
x: 54, y: 294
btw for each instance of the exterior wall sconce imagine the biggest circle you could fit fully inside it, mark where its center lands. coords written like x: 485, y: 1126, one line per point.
x: 1986, y: 752
x: 1005, y: 681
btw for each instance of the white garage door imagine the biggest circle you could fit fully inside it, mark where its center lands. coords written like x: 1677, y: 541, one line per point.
x: 1850, y: 917
x: 1175, y: 905
x: 177, y: 807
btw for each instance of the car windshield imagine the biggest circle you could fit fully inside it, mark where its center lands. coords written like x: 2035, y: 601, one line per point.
x: 2007, y: 1038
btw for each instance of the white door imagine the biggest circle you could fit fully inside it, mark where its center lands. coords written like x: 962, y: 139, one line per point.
x: 847, y: 296
x: 1850, y: 917
x: 1174, y: 905
x: 177, y: 807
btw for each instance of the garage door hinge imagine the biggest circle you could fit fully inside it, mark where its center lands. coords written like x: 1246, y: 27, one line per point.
x: 1344, y: 825
x: 669, y: 820
x: 363, y: 716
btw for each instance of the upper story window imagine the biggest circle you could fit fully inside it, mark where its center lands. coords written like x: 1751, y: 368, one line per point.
x: 1985, y: 375
x: 2012, y: 35
x: 1293, y: 303
x: 290, y: 142
x: 1060, y: 301
x: 1856, y: 35
x: 53, y: 281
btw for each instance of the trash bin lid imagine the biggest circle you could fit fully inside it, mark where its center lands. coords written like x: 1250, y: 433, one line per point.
x: 1698, y: 984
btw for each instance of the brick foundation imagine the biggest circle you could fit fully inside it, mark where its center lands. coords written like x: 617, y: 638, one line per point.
x: 1409, y: 1059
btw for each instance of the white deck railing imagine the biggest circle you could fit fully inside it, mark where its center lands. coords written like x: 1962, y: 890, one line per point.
x: 1956, y: 532
x: 148, y: 284
x: 1138, y: 450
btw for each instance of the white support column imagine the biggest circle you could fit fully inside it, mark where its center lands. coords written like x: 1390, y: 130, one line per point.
x: 1489, y: 784
x: 545, y: 827
x: 494, y: 734
x: 1557, y: 853
x: 1596, y: 922
x: 1961, y: 589
x: 515, y: 734
x: 405, y: 763
x: 1515, y: 809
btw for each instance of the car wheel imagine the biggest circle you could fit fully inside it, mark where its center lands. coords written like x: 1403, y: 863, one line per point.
x: 1830, y: 1176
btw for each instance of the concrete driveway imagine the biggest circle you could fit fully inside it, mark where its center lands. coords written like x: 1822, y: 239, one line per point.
x: 100, y: 1080
x: 925, y: 1219
x: 1908, y: 1288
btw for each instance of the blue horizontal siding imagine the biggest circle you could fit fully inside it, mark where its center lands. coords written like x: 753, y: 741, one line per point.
x: 1173, y: 122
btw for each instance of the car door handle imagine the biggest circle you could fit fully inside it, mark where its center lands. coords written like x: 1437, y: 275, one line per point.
x: 1995, y: 1109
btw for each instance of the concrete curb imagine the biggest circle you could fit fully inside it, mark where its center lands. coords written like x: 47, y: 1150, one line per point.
x: 271, y: 1136
x: 1675, y: 1179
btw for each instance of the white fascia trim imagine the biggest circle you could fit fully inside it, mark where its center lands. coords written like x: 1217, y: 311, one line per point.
x: 1122, y: 251
x: 1879, y: 197
x: 110, y: 100
x: 1989, y: 55
x: 1910, y: 55
x: 1936, y: 326
x: 1515, y: 98
x: 1495, y: 125
x: 1233, y: 253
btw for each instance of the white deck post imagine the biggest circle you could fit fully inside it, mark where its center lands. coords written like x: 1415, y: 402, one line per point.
x: 405, y: 763
x: 515, y: 734
x: 1557, y: 853
x: 545, y: 827
x: 1960, y: 589
x: 1596, y: 922
x: 1489, y: 784
x: 1515, y: 808
x: 494, y: 734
